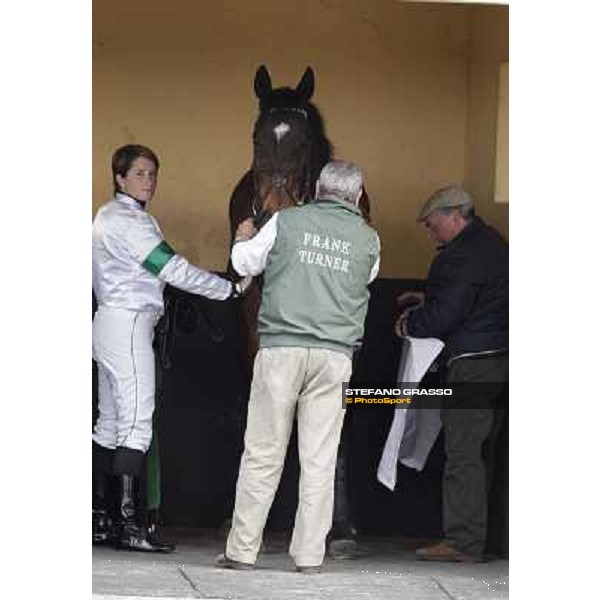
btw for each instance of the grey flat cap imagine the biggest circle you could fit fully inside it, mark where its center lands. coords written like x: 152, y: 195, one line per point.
x: 448, y: 197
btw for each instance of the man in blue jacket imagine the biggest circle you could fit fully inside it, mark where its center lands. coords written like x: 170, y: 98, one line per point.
x: 466, y: 306
x: 318, y: 260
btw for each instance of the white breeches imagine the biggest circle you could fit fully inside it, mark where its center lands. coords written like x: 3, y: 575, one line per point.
x: 122, y: 348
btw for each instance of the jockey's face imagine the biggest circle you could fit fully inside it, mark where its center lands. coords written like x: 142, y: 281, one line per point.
x: 140, y: 180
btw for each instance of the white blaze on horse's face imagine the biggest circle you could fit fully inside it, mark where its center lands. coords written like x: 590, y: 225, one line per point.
x: 281, y: 130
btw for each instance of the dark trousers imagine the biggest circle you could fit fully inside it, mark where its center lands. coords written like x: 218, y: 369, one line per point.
x: 468, y: 443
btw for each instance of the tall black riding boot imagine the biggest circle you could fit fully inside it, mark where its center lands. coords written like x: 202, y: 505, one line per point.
x: 130, y: 535
x: 101, y: 522
x: 101, y: 476
x: 153, y: 534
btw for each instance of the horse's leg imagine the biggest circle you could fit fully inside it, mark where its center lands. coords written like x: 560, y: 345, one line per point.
x: 248, y: 308
x: 342, y: 543
x: 342, y: 537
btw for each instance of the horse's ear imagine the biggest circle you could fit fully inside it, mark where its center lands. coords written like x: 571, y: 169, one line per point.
x: 306, y: 87
x: 262, y: 82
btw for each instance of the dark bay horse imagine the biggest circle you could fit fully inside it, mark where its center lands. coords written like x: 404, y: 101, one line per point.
x: 290, y: 149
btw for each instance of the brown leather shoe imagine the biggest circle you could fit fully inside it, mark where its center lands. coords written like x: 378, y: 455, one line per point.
x: 312, y: 570
x: 225, y: 562
x: 443, y: 551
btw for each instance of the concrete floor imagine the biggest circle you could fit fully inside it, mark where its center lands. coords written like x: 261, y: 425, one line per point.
x: 387, y: 570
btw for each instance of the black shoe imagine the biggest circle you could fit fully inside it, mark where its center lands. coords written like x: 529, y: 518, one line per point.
x: 130, y: 535
x: 342, y: 542
x: 135, y: 539
x: 343, y: 549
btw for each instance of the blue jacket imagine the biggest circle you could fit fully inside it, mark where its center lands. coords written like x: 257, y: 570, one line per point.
x: 466, y: 299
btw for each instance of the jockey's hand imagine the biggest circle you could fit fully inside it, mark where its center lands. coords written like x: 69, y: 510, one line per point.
x: 246, y: 230
x: 241, y: 286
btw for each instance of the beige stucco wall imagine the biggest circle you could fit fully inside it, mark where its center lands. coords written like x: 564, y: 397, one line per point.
x: 489, y: 48
x: 393, y: 82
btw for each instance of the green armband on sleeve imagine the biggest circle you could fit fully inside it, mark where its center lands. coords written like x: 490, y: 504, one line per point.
x: 158, y: 258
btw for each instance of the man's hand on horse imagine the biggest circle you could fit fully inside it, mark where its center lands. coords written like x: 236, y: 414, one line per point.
x: 246, y: 230
x: 411, y: 299
x: 407, y: 302
x: 399, y: 326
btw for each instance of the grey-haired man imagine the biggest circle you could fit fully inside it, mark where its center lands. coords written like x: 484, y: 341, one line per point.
x: 466, y: 306
x: 318, y: 260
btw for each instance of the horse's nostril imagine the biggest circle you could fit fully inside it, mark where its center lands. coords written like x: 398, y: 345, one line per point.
x: 279, y: 181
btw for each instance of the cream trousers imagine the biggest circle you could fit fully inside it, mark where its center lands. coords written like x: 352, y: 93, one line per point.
x: 286, y: 381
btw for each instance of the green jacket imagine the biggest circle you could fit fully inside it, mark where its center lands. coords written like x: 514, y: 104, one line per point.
x: 315, y: 281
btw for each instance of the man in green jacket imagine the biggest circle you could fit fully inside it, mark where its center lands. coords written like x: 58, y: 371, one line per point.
x: 318, y: 260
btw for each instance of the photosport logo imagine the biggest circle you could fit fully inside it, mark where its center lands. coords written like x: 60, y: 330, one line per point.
x: 410, y: 395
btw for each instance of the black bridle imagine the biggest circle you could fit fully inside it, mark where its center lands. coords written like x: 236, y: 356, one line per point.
x: 290, y: 108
